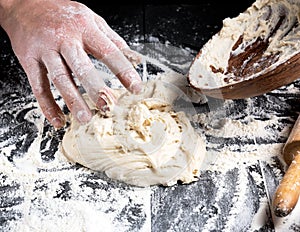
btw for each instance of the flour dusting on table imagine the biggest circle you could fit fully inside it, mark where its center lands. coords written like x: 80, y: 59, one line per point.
x: 42, y: 191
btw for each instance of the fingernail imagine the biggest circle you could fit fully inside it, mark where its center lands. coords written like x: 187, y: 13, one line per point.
x: 102, y: 103
x: 83, y: 116
x: 135, y: 87
x: 58, y: 122
x: 106, y: 99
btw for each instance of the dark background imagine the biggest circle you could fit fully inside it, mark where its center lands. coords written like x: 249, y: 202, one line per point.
x: 179, y: 22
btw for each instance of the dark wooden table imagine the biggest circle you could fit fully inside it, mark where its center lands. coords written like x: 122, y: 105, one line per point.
x: 40, y: 191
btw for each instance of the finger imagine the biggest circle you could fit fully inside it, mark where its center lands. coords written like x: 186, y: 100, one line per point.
x: 59, y: 74
x: 131, y: 55
x: 83, y: 68
x: 40, y: 85
x: 110, y: 33
x: 105, y: 50
x: 134, y: 57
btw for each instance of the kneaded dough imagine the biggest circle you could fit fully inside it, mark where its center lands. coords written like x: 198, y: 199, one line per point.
x: 141, y: 142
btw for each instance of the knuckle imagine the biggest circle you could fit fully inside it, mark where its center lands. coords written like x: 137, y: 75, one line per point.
x: 49, y: 111
x: 102, y: 20
x: 81, y: 71
x: 109, y: 52
x: 38, y: 91
x: 76, y: 58
x: 58, y: 76
x: 80, y: 68
x: 82, y: 17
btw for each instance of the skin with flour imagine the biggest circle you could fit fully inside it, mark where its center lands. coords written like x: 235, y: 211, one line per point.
x: 52, y: 40
x: 142, y: 141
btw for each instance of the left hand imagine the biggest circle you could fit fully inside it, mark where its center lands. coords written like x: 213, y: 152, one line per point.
x: 52, y: 39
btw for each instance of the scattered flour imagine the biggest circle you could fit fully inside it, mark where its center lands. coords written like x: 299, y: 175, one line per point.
x: 60, y: 196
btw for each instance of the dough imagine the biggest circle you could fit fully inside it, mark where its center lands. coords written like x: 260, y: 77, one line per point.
x: 142, y: 141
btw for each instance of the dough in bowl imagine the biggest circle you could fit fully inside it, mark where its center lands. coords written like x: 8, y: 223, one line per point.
x: 253, y: 53
x: 143, y: 141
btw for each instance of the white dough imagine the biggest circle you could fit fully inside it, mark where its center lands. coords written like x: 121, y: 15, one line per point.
x: 142, y: 142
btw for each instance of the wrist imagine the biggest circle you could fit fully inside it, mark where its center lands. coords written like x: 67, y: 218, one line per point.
x: 5, y: 7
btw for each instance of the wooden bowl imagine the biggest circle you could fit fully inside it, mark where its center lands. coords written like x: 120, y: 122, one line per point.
x: 254, y: 53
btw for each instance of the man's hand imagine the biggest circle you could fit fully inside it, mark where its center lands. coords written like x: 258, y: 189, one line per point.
x: 52, y: 40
